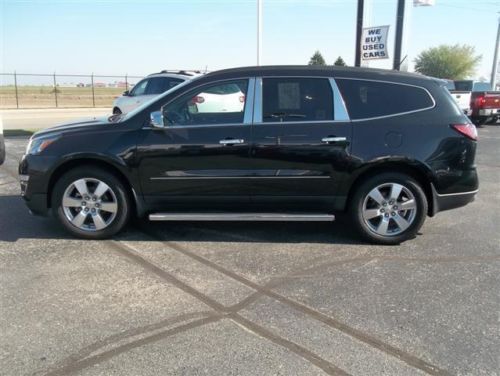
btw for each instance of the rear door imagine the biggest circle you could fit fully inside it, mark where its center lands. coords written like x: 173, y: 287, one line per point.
x: 301, y: 139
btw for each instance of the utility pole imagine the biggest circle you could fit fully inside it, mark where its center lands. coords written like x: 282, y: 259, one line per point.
x: 495, y: 60
x: 359, y: 32
x: 399, y: 35
x: 259, y: 31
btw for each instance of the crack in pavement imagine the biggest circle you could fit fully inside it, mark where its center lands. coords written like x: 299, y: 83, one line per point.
x: 101, y: 357
x: 125, y: 335
x: 225, y: 312
x: 402, y: 355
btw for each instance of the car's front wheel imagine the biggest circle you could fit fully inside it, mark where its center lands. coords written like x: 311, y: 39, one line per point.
x: 389, y: 208
x: 91, y: 203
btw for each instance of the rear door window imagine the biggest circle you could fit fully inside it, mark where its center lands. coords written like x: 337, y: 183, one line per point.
x: 296, y: 99
x: 158, y: 85
x: 369, y: 99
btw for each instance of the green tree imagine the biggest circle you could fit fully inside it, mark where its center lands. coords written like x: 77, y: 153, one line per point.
x: 317, y: 59
x: 446, y: 61
x: 340, y: 62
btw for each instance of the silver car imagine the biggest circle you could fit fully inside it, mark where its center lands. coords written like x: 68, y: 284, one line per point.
x: 148, y: 88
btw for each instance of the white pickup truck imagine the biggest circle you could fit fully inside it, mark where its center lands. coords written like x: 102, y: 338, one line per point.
x: 461, y: 93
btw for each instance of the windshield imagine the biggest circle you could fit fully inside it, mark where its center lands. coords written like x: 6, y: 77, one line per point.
x: 146, y: 104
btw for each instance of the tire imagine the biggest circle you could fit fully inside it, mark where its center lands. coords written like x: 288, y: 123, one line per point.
x: 493, y: 120
x: 117, y: 111
x: 101, y: 212
x: 388, y: 224
x: 480, y: 122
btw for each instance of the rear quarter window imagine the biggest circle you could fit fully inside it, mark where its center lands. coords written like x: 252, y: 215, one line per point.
x: 369, y: 99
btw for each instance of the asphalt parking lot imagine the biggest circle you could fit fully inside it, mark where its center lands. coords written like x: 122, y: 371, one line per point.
x: 252, y: 298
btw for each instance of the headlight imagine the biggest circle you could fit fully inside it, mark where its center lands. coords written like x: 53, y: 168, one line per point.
x: 37, y: 145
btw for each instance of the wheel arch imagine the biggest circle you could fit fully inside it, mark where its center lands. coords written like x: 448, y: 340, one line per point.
x: 416, y: 170
x: 65, y: 166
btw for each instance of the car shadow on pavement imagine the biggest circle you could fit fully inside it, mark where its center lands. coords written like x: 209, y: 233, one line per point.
x: 16, y: 223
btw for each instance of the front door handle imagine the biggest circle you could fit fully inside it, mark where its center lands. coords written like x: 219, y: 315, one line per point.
x: 328, y: 140
x: 232, y: 141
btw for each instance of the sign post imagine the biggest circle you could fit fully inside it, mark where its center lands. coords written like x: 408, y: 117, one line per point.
x: 374, y: 43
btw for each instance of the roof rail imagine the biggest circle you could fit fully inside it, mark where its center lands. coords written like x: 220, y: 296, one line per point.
x: 185, y: 72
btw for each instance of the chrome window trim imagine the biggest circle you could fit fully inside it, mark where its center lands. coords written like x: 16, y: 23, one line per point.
x: 257, y: 109
x: 195, y: 126
x: 339, y: 108
x: 393, y: 83
x: 249, y: 102
x: 258, y: 103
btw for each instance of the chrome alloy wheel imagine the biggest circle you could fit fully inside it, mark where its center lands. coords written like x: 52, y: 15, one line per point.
x: 389, y: 209
x: 89, y: 204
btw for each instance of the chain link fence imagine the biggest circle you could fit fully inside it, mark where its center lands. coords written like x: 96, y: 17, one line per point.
x: 23, y: 90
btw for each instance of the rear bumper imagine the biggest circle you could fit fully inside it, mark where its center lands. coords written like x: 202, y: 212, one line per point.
x: 442, y: 202
x: 489, y: 112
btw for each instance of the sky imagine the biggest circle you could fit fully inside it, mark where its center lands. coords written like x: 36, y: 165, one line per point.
x: 140, y: 37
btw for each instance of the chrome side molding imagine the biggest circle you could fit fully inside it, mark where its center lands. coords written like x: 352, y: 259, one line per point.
x: 306, y: 217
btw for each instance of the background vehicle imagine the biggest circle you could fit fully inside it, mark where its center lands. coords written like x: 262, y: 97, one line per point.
x: 388, y: 148
x: 2, y: 144
x: 148, y: 88
x: 484, y: 103
x: 225, y: 98
x: 462, y: 97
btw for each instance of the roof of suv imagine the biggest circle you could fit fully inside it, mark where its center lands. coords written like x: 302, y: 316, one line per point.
x: 176, y: 73
x: 315, y: 70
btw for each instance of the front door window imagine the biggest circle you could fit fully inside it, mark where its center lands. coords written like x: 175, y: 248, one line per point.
x: 220, y: 103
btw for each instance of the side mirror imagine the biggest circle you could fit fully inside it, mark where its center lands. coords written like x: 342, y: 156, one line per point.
x: 126, y: 93
x: 156, y: 119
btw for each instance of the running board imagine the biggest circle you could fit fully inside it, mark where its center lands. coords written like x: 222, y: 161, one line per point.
x: 241, y: 217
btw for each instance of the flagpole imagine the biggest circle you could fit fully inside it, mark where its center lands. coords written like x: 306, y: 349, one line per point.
x: 259, y: 31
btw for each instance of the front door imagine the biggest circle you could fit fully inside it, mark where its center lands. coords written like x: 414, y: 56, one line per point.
x: 301, y: 140
x: 203, y: 151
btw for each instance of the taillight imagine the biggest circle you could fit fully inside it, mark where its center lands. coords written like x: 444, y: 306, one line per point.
x: 242, y: 98
x: 480, y: 101
x: 468, y: 130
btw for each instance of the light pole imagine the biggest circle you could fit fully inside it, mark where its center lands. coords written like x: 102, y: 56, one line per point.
x: 495, y: 60
x: 259, y: 31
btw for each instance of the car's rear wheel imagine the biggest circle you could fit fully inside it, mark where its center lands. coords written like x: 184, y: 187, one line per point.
x: 389, y: 208
x: 91, y: 203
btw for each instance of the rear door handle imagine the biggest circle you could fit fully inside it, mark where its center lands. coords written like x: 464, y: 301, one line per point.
x: 232, y: 141
x: 328, y: 140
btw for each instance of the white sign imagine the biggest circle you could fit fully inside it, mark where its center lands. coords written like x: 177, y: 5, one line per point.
x: 374, y: 43
x: 423, y: 3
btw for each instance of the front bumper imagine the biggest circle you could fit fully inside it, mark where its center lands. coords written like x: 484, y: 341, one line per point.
x: 33, y: 177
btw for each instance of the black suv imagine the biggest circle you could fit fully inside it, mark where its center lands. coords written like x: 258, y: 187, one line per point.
x: 263, y: 143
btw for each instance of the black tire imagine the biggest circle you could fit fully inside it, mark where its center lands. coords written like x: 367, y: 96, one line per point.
x: 493, y: 120
x: 117, y: 111
x: 117, y: 220
x: 480, y: 122
x: 360, y: 199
